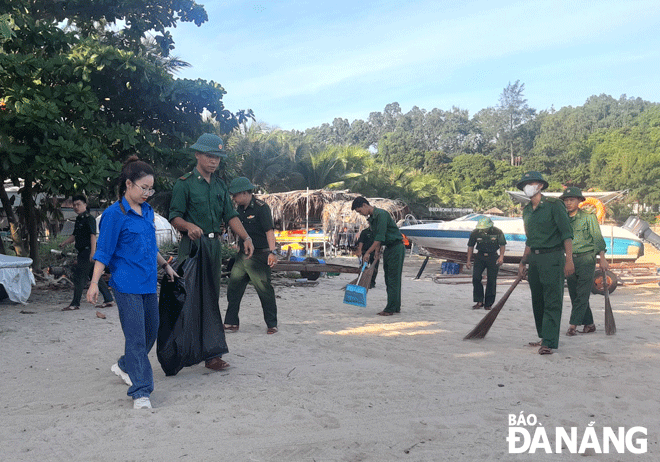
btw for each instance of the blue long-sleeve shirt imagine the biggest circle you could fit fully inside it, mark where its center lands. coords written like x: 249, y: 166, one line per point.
x: 127, y: 246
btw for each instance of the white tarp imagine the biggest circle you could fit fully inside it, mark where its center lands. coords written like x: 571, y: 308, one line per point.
x: 165, y: 233
x: 16, y: 277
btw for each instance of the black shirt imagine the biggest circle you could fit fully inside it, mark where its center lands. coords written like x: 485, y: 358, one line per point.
x: 367, y: 239
x: 487, y: 240
x: 257, y: 220
x: 83, y: 229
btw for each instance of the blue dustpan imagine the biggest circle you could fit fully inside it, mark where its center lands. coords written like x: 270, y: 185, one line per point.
x: 355, y: 294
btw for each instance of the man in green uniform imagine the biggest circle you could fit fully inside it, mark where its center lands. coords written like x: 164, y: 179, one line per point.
x: 488, y: 240
x: 549, y: 252
x: 201, y: 205
x: 257, y: 220
x: 386, y: 233
x: 587, y: 243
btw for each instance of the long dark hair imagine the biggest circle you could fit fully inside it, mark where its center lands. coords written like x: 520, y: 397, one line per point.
x: 133, y: 170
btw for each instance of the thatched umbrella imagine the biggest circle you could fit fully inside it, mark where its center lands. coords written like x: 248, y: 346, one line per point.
x: 495, y: 211
x: 291, y: 206
x: 339, y: 215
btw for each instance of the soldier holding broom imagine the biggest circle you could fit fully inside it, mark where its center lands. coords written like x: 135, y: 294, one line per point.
x: 386, y: 233
x: 549, y: 253
x: 587, y: 243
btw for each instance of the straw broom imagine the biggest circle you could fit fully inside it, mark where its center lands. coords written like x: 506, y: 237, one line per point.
x: 484, y: 325
x: 610, y: 325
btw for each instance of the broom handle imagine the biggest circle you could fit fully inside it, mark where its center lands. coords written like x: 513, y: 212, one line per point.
x: 508, y: 292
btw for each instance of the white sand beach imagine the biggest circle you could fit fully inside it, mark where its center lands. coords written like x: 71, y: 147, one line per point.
x: 337, y: 383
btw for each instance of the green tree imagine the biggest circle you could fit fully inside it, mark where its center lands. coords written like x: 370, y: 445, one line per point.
x: 629, y: 158
x: 514, y: 113
x: 78, y: 99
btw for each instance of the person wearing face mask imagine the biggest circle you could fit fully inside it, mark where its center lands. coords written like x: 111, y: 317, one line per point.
x: 549, y: 254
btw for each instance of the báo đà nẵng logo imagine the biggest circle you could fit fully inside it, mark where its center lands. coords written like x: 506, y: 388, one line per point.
x: 528, y: 435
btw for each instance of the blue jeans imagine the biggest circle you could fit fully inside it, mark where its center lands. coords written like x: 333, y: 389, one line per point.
x: 138, y: 314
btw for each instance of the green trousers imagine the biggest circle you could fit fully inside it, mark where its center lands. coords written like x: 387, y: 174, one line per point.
x: 257, y: 271
x: 546, y: 282
x: 393, y: 268
x: 579, y: 288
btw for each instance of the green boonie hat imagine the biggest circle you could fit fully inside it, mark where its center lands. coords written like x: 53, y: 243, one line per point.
x: 572, y: 191
x: 240, y: 184
x: 531, y: 176
x: 484, y: 223
x: 209, y: 143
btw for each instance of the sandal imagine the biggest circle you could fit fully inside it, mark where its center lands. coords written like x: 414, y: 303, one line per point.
x: 571, y: 331
x: 231, y: 328
x: 534, y: 344
x: 477, y: 305
x: 105, y: 305
x: 272, y: 330
x: 544, y: 350
x: 589, y: 329
x: 70, y: 308
x: 385, y: 313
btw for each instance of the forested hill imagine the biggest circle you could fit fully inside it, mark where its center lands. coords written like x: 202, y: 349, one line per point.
x: 448, y: 158
x: 561, y: 143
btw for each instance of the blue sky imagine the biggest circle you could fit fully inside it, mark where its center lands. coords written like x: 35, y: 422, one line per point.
x: 298, y: 64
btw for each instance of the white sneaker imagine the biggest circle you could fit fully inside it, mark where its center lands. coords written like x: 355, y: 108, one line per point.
x: 142, y: 403
x: 124, y: 376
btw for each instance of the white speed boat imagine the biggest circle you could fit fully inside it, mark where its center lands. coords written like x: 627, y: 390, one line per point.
x: 449, y: 239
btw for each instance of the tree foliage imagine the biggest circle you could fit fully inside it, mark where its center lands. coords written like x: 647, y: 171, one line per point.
x: 79, y: 99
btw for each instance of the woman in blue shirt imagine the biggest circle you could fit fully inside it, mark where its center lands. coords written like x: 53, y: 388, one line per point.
x: 127, y: 246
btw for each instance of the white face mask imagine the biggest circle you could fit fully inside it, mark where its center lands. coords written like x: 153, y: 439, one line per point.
x: 531, y: 189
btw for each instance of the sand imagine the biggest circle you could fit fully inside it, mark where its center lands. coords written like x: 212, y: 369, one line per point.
x: 337, y: 383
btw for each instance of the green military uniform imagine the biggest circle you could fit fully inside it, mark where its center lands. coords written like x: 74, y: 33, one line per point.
x: 546, y: 229
x: 367, y: 240
x: 587, y: 243
x: 206, y: 205
x: 257, y: 220
x: 488, y: 242
x: 387, y: 233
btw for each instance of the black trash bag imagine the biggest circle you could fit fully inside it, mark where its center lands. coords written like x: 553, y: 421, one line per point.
x: 191, y: 328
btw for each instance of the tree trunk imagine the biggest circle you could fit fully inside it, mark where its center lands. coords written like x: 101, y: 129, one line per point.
x: 31, y: 222
x: 14, y: 226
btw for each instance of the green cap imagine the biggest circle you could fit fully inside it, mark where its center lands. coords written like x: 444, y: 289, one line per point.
x: 484, y: 223
x: 572, y: 191
x: 529, y: 177
x: 240, y: 184
x: 209, y: 143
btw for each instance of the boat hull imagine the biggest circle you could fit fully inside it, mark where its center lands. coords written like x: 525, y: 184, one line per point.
x: 449, y: 239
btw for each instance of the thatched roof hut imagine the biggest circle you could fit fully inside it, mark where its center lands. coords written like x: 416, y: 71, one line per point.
x: 290, y: 207
x: 339, y: 214
x: 495, y: 211
x: 332, y: 208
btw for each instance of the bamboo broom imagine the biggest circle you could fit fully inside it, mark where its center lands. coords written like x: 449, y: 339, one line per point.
x: 484, y: 325
x: 610, y: 325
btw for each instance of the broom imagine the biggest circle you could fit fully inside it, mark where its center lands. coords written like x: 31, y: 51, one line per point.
x: 484, y: 325
x: 610, y: 325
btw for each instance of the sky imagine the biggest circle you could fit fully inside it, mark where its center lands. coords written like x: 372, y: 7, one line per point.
x: 298, y: 64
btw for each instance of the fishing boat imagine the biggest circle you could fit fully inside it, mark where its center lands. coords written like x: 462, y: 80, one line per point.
x: 448, y: 239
